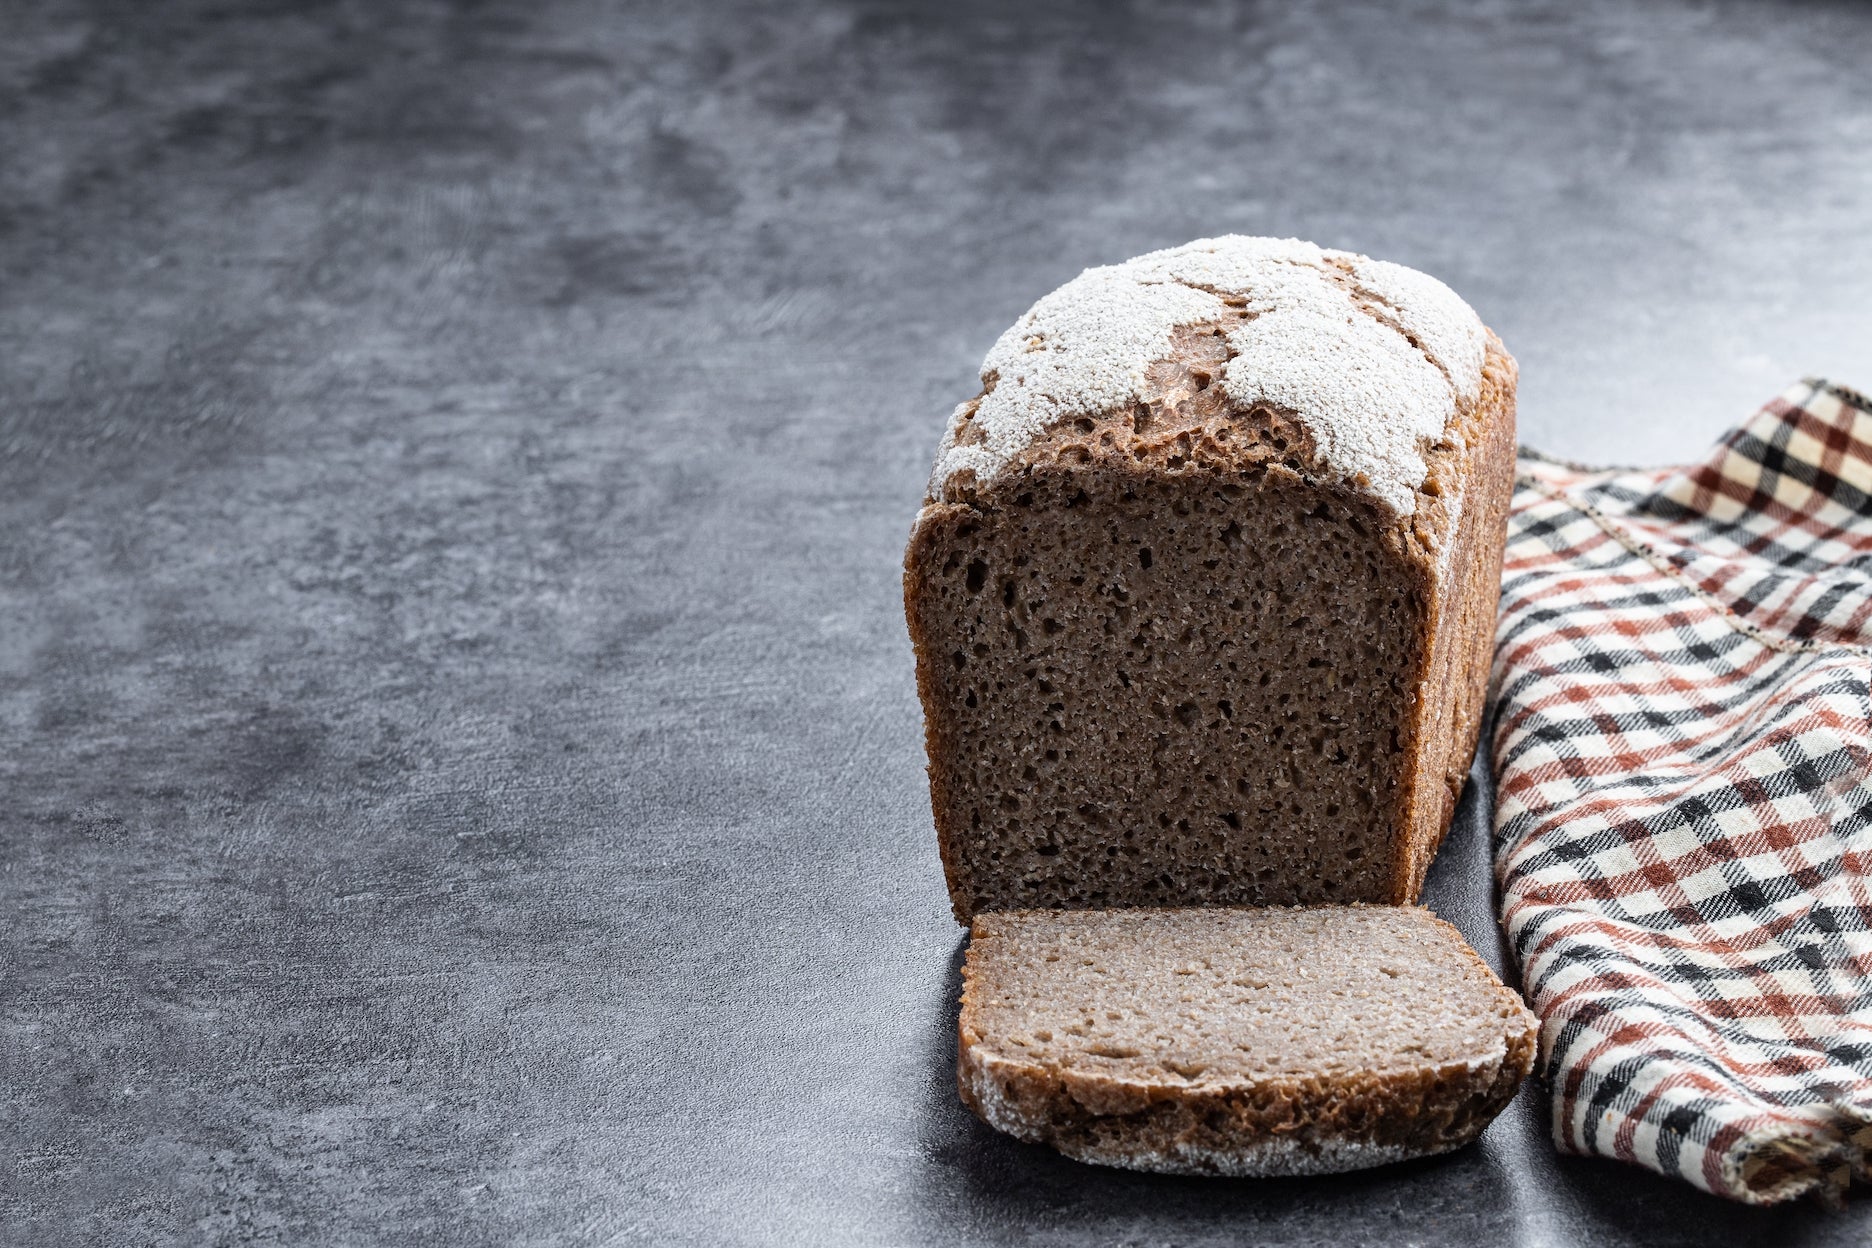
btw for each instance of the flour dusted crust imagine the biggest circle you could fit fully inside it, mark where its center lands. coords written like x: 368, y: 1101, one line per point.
x: 1369, y: 359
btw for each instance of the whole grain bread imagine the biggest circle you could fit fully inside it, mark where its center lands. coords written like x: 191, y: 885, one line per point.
x: 1203, y: 591
x: 1236, y: 1041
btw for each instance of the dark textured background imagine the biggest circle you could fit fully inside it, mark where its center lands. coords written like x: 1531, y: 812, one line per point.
x: 460, y: 776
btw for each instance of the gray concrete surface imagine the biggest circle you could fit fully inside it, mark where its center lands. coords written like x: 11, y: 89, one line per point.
x: 460, y: 776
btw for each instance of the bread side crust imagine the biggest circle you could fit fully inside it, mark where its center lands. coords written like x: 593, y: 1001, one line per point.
x: 1473, y: 477
x: 1262, y: 1130
x: 1240, y: 1127
x: 934, y: 524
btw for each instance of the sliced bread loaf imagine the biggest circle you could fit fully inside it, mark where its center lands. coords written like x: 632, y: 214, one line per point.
x: 1237, y: 1041
x: 1203, y: 592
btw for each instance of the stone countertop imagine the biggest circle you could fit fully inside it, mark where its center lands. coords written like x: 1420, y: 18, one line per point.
x: 460, y: 773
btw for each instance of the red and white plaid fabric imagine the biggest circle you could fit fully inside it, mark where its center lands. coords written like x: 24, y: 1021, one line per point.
x: 1683, y: 760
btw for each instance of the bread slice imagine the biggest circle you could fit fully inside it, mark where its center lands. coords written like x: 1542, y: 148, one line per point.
x: 1237, y: 1041
x: 1203, y: 592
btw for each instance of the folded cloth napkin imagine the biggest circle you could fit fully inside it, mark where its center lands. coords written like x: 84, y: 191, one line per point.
x: 1683, y: 762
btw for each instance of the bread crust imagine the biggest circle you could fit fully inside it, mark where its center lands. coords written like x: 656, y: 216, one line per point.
x: 1315, y: 1124
x: 1475, y: 468
x: 933, y: 525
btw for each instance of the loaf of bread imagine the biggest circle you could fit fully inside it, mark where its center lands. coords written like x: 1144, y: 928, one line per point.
x: 1203, y: 591
x: 1237, y: 1041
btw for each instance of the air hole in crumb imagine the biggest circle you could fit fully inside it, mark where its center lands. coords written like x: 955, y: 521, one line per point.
x: 1144, y: 557
x: 977, y: 575
x: 1232, y: 819
x: 1111, y: 1050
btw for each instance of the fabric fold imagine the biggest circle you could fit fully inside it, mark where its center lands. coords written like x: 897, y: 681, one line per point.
x: 1683, y: 759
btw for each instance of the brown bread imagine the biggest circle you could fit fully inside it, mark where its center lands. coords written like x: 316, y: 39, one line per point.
x: 1203, y: 595
x: 1237, y: 1041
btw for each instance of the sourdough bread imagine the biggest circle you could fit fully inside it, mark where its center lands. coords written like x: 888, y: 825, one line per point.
x: 1236, y: 1041
x: 1203, y: 590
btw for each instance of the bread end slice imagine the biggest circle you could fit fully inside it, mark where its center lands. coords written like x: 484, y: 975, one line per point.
x: 1237, y: 1041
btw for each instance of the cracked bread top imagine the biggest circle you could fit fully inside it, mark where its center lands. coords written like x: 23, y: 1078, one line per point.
x: 1367, y: 361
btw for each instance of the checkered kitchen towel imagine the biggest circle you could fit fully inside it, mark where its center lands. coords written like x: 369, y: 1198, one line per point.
x: 1683, y: 760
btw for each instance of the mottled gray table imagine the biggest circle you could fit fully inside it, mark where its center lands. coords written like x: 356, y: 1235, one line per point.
x: 460, y: 776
